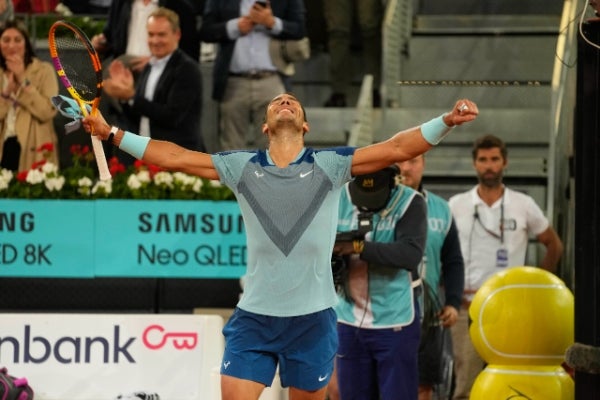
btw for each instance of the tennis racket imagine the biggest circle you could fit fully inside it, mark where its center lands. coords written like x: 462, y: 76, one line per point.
x: 80, y: 71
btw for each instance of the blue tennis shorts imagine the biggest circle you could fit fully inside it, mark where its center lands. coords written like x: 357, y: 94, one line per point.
x: 304, y: 346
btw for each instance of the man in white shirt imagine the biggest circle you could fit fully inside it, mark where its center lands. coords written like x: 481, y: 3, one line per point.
x: 494, y: 225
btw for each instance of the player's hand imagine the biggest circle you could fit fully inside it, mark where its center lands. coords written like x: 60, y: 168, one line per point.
x: 463, y: 111
x: 96, y: 125
x: 448, y: 316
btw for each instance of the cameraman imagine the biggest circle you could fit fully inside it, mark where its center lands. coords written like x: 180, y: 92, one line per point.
x: 378, y: 315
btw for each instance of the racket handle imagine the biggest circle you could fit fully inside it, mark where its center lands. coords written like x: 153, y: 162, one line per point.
x: 100, y: 159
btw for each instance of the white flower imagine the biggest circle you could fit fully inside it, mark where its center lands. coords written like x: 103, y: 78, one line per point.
x: 6, y: 174
x: 197, y: 185
x: 133, y: 182
x: 5, y: 178
x: 49, y: 168
x: 143, y: 176
x: 55, y: 184
x: 84, y: 182
x: 183, y: 179
x: 34, y: 176
x: 163, y: 178
x: 103, y: 185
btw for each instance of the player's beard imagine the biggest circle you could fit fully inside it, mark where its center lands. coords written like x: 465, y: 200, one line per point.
x: 490, y: 179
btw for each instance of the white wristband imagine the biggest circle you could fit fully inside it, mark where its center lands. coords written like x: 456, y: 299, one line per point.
x: 435, y: 130
x: 113, y: 132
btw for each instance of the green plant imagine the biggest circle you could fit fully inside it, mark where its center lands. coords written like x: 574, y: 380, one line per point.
x: 140, y: 181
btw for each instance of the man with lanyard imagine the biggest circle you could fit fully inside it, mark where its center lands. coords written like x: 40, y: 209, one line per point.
x: 494, y: 225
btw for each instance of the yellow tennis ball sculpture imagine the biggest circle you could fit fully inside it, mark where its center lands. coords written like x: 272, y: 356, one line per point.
x: 522, y: 316
x: 514, y: 382
x: 522, y: 324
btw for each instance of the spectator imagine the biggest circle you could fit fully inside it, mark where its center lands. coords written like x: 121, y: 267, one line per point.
x: 87, y: 6
x: 7, y: 11
x: 494, y: 225
x: 289, y: 198
x: 339, y: 17
x: 166, y: 103
x: 26, y: 111
x: 443, y: 265
x: 378, y: 314
x: 125, y: 31
x: 244, y: 76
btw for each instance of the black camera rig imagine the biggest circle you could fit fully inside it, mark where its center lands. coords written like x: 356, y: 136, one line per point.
x: 339, y: 263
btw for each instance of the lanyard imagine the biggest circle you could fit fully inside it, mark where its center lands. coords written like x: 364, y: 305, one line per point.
x: 489, y: 231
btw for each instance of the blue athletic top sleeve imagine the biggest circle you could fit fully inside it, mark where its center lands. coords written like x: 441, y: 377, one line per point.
x: 290, y: 216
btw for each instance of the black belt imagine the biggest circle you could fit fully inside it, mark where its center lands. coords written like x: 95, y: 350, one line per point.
x: 253, y: 74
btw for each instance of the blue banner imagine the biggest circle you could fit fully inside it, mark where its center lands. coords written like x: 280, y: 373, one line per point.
x: 203, y: 239
x: 121, y: 238
x: 46, y: 238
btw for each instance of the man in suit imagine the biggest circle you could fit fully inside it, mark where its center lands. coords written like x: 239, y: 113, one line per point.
x: 166, y: 103
x: 124, y: 33
x: 244, y: 77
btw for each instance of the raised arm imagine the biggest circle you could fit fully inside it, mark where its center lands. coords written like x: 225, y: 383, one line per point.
x: 164, y: 154
x: 411, y: 142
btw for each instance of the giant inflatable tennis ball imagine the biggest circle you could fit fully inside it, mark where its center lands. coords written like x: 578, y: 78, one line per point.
x: 522, y: 316
x: 523, y: 382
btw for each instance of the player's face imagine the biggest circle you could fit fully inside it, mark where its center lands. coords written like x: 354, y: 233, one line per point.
x: 162, y: 39
x: 411, y: 171
x: 285, y: 107
x: 489, y: 165
x: 12, y: 43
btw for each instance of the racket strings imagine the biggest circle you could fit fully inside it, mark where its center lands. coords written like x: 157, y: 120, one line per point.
x: 77, y: 65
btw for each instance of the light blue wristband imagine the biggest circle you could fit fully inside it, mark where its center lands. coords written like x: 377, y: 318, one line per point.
x: 435, y: 130
x: 134, y: 144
